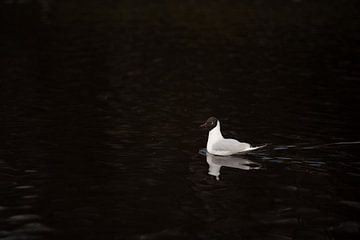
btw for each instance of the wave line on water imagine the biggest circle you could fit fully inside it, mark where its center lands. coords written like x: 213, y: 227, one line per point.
x: 330, y: 144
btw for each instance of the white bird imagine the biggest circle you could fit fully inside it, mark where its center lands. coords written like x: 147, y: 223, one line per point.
x: 218, y: 145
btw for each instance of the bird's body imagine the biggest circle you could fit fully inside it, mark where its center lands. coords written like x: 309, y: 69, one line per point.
x: 218, y: 145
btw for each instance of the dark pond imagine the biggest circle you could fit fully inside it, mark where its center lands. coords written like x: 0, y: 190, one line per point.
x: 101, y: 103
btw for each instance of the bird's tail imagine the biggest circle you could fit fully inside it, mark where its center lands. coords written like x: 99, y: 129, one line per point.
x: 255, y: 148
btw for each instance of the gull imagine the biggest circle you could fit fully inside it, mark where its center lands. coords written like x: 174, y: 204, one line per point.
x: 218, y: 145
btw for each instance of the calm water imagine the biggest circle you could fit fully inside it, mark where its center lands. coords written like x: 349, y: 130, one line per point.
x: 101, y: 103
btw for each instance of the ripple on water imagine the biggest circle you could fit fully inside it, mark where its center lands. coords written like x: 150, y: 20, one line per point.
x: 310, y: 234
x: 283, y: 147
x: 32, y: 196
x: 21, y: 187
x: 27, y: 227
x: 352, y: 204
x: 349, y: 227
x: 23, y: 218
x: 33, y: 228
x: 2, y: 208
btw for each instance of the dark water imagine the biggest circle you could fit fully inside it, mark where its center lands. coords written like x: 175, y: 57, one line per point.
x: 101, y: 102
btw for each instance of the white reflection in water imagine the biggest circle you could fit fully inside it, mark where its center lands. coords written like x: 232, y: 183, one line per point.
x: 216, y: 162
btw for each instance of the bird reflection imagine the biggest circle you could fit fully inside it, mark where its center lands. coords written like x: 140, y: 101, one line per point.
x: 216, y: 162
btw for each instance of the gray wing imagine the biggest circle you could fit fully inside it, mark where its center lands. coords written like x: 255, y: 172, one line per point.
x: 231, y: 145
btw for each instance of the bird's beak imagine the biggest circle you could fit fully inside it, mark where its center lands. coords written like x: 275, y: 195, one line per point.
x: 203, y: 125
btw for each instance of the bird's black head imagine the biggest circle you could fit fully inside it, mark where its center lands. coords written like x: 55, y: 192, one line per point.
x: 210, y: 123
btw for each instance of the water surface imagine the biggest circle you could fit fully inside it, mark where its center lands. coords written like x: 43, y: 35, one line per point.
x: 101, y: 103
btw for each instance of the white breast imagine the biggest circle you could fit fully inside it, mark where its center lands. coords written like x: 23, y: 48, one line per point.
x: 214, y: 136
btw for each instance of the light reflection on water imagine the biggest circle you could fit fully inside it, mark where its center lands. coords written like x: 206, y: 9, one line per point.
x: 236, y: 162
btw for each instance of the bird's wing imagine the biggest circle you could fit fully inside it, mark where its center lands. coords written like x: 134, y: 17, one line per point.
x: 231, y: 145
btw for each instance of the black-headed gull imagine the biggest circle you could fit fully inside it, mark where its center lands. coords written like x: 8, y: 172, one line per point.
x: 218, y: 145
